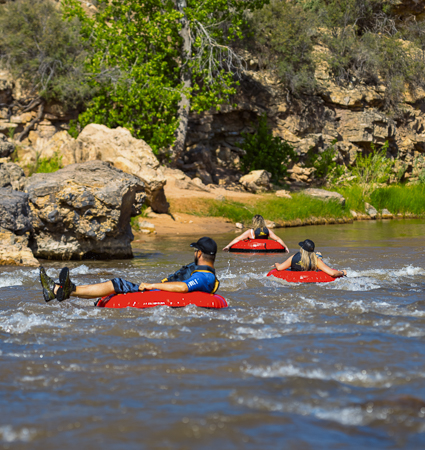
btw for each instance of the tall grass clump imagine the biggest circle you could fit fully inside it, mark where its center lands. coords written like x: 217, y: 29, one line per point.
x: 400, y: 199
x: 277, y: 209
x: 353, y: 195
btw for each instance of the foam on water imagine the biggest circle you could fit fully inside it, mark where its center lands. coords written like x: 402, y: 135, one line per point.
x: 388, y: 274
x: 11, y: 434
x: 10, y: 280
x: 348, y: 375
x: 18, y: 277
x: 19, y: 323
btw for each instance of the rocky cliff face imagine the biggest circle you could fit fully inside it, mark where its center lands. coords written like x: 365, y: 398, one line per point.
x: 15, y: 229
x: 351, y: 116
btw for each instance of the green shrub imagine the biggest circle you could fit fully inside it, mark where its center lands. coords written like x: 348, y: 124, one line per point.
x: 373, y: 169
x: 74, y: 128
x: 44, y: 52
x: 324, y: 163
x: 282, y: 38
x: 45, y: 165
x: 266, y: 152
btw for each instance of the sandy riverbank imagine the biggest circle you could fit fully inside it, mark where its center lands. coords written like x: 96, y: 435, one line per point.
x: 190, y: 224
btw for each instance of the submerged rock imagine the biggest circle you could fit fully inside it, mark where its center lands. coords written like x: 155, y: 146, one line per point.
x: 83, y: 211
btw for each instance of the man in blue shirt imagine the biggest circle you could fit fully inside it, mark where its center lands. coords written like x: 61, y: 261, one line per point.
x: 199, y: 276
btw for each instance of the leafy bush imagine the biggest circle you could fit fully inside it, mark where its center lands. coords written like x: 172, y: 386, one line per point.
x: 324, y: 163
x: 372, y: 169
x: 45, y: 52
x: 266, y: 152
x: 282, y: 39
x: 366, y: 43
x: 74, y: 128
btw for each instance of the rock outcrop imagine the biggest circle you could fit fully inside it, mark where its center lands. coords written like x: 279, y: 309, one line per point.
x: 83, y: 211
x: 14, y: 250
x: 257, y: 181
x: 11, y: 175
x: 118, y: 147
x: 322, y: 194
x: 180, y: 180
x: 6, y: 147
x: 15, y: 228
x: 283, y: 194
x: 14, y: 211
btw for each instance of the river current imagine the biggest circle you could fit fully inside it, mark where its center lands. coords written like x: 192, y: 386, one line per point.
x: 311, y: 366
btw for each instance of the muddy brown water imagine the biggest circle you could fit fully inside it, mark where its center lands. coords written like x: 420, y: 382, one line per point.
x: 326, y: 366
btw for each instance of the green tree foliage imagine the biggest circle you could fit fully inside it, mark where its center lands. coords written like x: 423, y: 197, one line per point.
x: 46, y: 54
x: 283, y: 40
x: 138, y: 61
x: 263, y: 151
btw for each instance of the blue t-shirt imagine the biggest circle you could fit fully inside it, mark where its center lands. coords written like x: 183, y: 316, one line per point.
x: 201, y: 281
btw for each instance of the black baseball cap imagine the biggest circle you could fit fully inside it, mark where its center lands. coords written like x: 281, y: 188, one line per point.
x: 307, y: 245
x: 206, y: 245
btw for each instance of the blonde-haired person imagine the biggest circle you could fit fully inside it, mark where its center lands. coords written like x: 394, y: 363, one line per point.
x: 307, y: 259
x: 258, y: 231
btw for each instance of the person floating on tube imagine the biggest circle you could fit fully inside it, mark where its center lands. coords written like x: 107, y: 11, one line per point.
x: 258, y: 231
x: 196, y: 276
x: 307, y: 260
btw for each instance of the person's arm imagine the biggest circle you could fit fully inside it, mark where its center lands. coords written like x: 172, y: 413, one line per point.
x: 332, y: 272
x: 243, y: 236
x: 278, y: 239
x: 173, y: 286
x: 285, y: 265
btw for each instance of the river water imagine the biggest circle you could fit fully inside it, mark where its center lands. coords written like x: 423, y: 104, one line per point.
x: 327, y: 366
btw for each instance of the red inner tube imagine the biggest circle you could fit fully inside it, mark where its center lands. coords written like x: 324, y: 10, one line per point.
x: 301, y: 277
x: 149, y: 299
x: 257, y: 246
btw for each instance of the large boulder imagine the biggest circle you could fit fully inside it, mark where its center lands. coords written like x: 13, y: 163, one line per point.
x: 257, y: 181
x: 15, y: 228
x: 6, y: 147
x: 322, y: 194
x: 118, y: 147
x: 83, y: 211
x: 11, y: 175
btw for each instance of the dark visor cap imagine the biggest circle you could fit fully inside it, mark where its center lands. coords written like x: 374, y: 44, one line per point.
x: 307, y: 245
x: 206, y: 245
